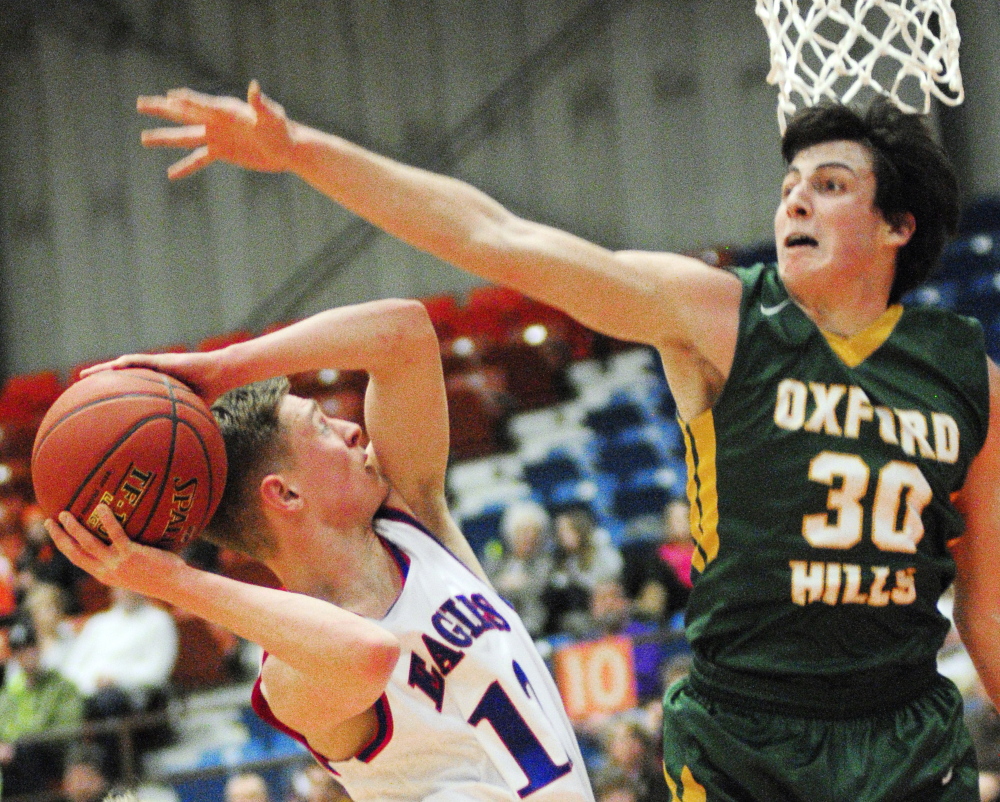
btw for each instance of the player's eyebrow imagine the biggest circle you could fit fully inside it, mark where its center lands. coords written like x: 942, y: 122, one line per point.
x: 823, y: 166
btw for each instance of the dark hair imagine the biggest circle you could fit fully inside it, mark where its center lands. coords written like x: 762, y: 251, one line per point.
x: 582, y: 520
x: 912, y: 174
x: 255, y: 445
x: 21, y: 636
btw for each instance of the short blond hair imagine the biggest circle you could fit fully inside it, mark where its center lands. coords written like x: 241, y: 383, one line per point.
x: 255, y: 445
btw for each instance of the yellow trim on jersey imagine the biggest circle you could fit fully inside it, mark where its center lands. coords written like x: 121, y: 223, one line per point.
x: 691, y: 789
x: 702, y: 488
x: 858, y: 347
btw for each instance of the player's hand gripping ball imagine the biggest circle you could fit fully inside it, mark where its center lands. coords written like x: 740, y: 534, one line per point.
x: 139, y: 441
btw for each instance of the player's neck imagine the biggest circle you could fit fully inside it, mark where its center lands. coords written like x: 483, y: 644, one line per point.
x: 842, y: 309
x: 350, y: 569
x: 844, y: 322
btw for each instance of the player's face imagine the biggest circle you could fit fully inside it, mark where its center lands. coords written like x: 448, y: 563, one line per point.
x: 332, y: 464
x: 827, y: 229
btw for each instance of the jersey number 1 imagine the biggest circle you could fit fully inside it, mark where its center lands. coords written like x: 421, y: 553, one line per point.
x: 497, y: 708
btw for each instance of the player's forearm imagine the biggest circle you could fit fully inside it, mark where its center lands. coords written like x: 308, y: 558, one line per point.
x: 311, y: 635
x: 982, y: 641
x: 376, y: 337
x: 433, y: 212
x: 463, y: 226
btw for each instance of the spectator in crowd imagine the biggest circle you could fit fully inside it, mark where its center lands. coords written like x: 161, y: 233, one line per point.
x: 631, y: 753
x: 33, y: 700
x: 45, y: 606
x: 582, y: 557
x: 615, y: 787
x: 315, y: 784
x: 649, y: 576
x: 611, y: 613
x: 677, y: 548
x: 123, y: 657
x: 246, y: 786
x: 87, y: 773
x: 41, y: 561
x: 521, y: 573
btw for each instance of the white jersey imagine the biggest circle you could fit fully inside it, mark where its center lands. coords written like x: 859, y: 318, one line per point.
x: 471, y: 712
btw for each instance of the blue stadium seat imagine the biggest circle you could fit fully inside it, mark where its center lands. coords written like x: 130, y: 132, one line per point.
x: 982, y: 214
x: 643, y: 498
x: 558, y: 467
x: 622, y: 412
x: 633, y: 450
x: 480, y: 529
x: 992, y: 331
x: 941, y: 292
x: 969, y: 256
x: 981, y: 296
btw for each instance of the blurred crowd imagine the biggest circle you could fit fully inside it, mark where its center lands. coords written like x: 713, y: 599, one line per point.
x: 73, y: 660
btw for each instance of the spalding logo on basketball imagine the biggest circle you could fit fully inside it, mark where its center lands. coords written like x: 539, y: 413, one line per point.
x: 139, y: 441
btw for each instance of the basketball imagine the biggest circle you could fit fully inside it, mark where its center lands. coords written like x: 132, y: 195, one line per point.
x: 139, y: 441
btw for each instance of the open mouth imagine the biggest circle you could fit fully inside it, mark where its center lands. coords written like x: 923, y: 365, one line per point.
x: 800, y: 240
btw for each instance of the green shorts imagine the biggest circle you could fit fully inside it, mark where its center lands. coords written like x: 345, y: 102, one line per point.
x: 717, y: 752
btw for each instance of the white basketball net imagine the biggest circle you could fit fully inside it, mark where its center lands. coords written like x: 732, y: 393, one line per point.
x: 817, y: 54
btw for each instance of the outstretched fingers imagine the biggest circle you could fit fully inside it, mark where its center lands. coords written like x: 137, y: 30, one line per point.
x: 262, y: 105
x: 191, y: 163
x: 187, y: 136
x: 128, y: 361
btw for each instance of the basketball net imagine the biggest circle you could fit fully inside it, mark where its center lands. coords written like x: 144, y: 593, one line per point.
x: 834, y: 51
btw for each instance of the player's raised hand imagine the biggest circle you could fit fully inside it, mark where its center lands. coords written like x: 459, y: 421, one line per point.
x: 201, y: 371
x: 256, y: 135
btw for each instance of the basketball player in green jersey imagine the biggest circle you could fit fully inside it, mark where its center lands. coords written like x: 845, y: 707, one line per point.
x: 843, y: 450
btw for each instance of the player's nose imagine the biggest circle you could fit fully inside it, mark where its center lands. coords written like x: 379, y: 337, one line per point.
x: 351, y: 432
x: 797, y: 202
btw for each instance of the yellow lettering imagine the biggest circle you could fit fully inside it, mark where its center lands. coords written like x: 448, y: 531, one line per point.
x: 807, y: 581
x: 877, y: 595
x: 859, y: 408
x: 790, y: 409
x: 824, y: 416
x: 945, y: 437
x: 913, y: 433
x: 821, y: 581
x: 886, y: 425
x: 905, y: 591
x: 832, y: 590
x: 852, y: 586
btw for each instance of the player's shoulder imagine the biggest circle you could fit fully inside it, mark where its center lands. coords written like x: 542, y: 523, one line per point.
x: 946, y: 322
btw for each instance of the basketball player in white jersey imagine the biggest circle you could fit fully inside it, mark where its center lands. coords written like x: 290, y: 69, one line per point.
x: 388, y: 654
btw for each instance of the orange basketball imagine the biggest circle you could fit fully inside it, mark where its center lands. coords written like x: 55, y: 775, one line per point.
x: 139, y: 441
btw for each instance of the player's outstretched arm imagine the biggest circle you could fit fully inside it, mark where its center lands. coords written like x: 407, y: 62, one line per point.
x: 662, y: 299
x: 977, y: 592
x: 316, y: 639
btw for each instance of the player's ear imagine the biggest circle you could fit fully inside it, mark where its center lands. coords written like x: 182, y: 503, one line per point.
x: 901, y: 228
x: 278, y: 493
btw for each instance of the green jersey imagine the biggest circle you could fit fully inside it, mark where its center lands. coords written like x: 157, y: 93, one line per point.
x: 820, y: 485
